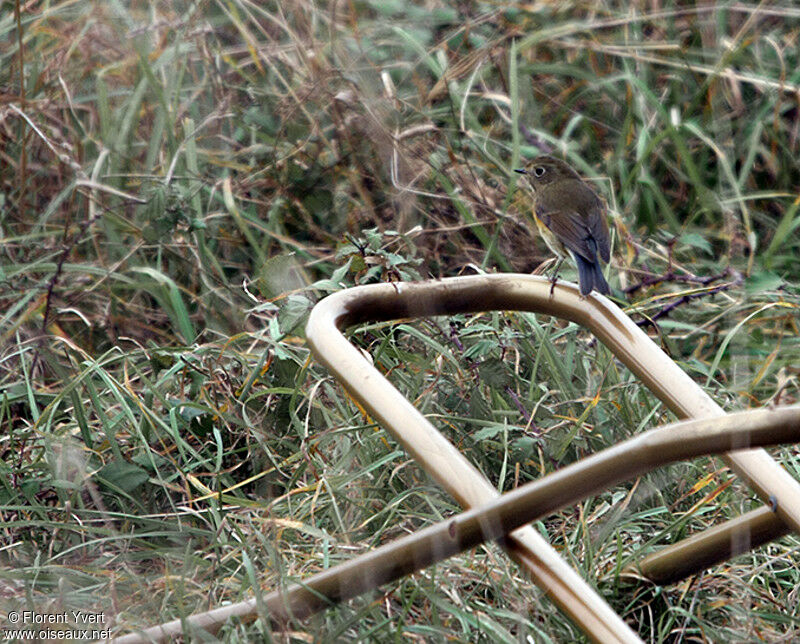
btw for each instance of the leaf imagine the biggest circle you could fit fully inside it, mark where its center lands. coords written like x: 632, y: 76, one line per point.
x: 374, y: 238
x: 294, y: 313
x: 696, y: 240
x: 524, y: 448
x: 281, y: 274
x: 493, y: 372
x: 121, y: 475
x: 487, y: 432
x: 762, y: 281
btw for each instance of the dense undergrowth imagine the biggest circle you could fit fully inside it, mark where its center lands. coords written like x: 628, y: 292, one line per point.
x: 181, y: 181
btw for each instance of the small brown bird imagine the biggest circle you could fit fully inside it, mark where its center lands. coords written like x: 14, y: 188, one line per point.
x: 571, y: 218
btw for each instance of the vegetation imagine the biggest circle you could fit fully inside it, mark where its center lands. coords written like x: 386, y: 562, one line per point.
x: 180, y: 182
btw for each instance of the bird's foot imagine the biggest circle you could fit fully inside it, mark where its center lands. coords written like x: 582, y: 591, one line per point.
x: 554, y: 275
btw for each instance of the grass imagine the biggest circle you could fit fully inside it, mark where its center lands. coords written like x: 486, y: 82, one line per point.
x: 181, y: 181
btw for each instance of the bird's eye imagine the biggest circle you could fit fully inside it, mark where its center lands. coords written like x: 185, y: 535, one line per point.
x: 539, y: 170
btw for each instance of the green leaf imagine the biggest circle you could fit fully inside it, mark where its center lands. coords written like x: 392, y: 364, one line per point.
x: 762, y: 281
x: 696, y: 240
x: 494, y: 373
x: 121, y: 475
x: 281, y: 274
x: 294, y: 313
x: 487, y: 432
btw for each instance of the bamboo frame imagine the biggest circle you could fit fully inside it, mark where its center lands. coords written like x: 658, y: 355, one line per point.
x: 654, y: 448
x: 450, y: 468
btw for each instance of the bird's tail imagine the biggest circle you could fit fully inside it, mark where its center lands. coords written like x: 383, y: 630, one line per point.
x: 590, y: 276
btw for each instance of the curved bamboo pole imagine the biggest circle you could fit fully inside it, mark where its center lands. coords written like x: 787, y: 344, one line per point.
x: 709, y: 547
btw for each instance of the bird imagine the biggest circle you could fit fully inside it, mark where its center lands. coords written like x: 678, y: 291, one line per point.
x: 571, y: 219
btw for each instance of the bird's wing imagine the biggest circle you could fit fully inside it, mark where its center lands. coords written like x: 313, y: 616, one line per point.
x: 598, y: 227
x: 586, y: 234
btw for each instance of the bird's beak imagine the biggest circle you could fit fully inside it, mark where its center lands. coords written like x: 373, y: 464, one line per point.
x: 520, y: 170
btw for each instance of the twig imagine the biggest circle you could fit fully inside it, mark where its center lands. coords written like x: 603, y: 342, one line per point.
x: 691, y: 296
